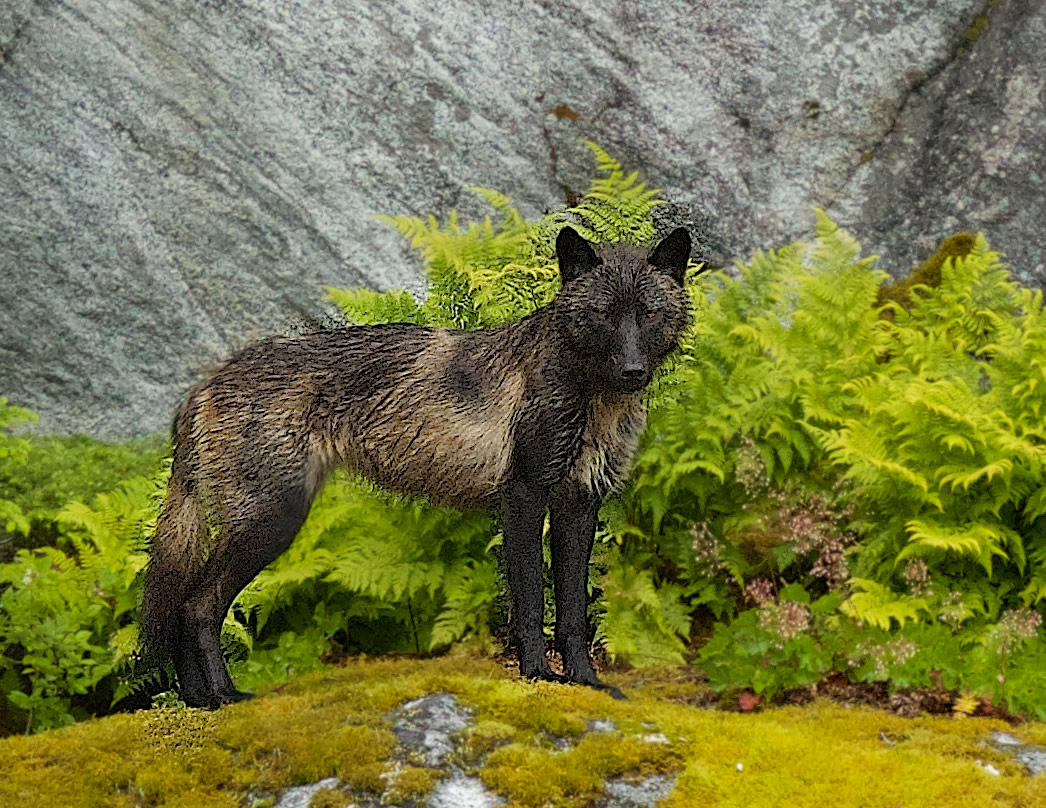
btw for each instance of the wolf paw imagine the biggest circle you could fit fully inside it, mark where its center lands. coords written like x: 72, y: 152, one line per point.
x: 613, y: 692
x: 212, y: 701
x: 543, y: 673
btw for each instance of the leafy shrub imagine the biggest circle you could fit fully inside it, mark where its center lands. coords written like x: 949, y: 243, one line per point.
x: 67, y: 618
x: 785, y: 642
x: 49, y: 472
x: 13, y: 452
x: 810, y: 439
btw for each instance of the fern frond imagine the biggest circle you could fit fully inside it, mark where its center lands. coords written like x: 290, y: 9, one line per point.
x: 642, y: 622
x: 980, y: 541
x: 879, y: 606
x: 367, y: 307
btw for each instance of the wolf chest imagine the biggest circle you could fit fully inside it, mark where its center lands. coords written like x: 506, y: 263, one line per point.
x: 608, y: 443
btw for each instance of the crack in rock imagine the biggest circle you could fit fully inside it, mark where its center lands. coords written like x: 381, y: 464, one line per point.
x: 955, y: 52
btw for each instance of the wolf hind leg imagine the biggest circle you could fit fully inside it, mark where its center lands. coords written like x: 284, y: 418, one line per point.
x: 251, y: 543
x: 573, y: 518
x: 192, y: 682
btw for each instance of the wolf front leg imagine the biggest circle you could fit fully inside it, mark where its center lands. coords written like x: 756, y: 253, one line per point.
x: 573, y: 518
x: 523, y: 521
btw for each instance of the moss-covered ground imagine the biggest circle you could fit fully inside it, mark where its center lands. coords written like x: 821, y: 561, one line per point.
x: 332, y: 723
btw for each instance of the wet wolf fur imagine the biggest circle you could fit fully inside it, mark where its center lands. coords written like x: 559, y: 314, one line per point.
x: 544, y: 413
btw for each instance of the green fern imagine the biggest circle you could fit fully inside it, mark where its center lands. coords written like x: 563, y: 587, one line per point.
x: 12, y: 518
x: 643, y: 623
x: 72, y: 614
x: 879, y: 606
x: 470, y: 595
x: 374, y: 554
x: 366, y: 307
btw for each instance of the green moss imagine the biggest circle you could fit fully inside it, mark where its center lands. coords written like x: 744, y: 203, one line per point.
x: 977, y: 27
x: 511, y: 771
x: 928, y: 273
x: 480, y: 740
x: 682, y: 685
x: 980, y: 23
x: 537, y: 708
x: 333, y: 723
x: 575, y: 776
x: 330, y: 798
x: 409, y: 783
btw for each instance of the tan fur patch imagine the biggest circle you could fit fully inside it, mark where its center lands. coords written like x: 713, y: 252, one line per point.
x: 420, y: 440
x: 609, y: 441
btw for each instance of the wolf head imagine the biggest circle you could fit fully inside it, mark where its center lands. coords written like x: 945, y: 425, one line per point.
x: 622, y: 309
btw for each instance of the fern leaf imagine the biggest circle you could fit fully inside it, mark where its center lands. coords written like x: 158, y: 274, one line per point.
x: 980, y: 541
x: 367, y: 307
x: 879, y: 606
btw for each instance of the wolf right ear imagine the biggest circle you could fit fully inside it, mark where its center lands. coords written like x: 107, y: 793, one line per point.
x: 575, y: 255
x: 673, y: 254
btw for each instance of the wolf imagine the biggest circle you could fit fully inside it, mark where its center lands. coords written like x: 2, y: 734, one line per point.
x: 543, y: 414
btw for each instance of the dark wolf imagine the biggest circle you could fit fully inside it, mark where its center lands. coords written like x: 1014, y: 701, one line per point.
x: 542, y: 414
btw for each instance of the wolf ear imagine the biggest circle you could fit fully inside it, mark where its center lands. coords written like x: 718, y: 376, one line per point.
x: 672, y: 254
x: 576, y: 255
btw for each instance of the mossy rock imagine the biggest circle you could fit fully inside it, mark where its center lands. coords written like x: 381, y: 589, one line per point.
x: 928, y: 273
x: 334, y: 724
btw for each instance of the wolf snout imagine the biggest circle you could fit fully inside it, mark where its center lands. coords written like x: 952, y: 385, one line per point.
x: 633, y: 371
x: 633, y: 375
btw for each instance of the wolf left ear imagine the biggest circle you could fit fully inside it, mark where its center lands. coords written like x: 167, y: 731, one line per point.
x: 575, y: 255
x: 672, y: 254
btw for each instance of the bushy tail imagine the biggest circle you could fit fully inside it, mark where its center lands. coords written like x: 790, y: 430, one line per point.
x: 175, y: 558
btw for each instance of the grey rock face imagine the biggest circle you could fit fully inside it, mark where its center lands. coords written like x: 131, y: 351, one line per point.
x: 461, y: 791
x: 178, y: 178
x: 427, y: 728
x: 964, y: 152
x: 301, y: 796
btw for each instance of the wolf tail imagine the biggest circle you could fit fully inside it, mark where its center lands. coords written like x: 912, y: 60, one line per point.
x: 177, y: 554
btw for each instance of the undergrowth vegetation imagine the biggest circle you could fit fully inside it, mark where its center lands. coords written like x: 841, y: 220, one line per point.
x: 834, y: 483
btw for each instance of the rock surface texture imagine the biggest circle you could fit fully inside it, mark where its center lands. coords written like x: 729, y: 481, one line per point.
x: 430, y: 730
x: 179, y: 177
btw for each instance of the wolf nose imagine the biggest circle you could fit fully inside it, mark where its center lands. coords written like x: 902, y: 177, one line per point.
x: 633, y: 372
